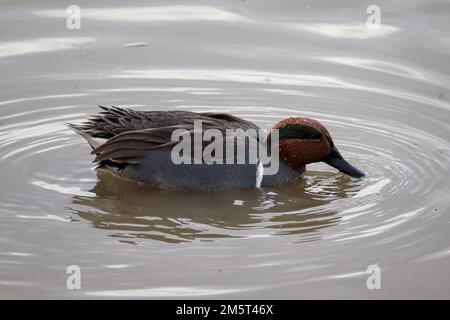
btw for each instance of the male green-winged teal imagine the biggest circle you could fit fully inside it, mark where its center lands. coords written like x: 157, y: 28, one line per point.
x: 137, y: 145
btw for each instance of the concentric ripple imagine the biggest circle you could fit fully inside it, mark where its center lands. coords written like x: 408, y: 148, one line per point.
x: 404, y: 165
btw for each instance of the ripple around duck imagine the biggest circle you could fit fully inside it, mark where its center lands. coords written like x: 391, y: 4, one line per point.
x: 404, y: 164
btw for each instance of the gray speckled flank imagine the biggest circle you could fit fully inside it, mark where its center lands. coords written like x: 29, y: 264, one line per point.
x: 157, y: 169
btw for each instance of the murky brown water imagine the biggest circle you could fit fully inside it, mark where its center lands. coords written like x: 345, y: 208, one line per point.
x: 382, y: 93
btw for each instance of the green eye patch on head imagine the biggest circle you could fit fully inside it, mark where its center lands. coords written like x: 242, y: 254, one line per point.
x: 298, y: 131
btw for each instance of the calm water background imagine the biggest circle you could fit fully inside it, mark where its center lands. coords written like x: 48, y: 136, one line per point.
x: 384, y: 95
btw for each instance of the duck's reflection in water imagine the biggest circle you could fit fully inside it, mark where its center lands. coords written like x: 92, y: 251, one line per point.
x: 132, y: 212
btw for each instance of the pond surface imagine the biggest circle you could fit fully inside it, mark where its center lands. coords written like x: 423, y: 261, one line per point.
x: 383, y: 94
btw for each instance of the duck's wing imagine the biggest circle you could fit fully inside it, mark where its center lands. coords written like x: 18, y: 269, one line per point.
x: 230, y: 120
x: 130, y: 146
x: 112, y: 121
x: 129, y: 134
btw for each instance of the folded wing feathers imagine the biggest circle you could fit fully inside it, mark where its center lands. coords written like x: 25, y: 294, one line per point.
x: 131, y: 133
x: 134, y: 144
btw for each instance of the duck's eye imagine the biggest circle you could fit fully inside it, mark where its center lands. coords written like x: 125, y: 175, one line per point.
x: 299, y: 131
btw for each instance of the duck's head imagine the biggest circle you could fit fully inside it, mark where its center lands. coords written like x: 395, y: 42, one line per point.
x: 303, y: 141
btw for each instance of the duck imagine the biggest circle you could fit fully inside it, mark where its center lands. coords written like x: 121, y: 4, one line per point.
x: 138, y: 146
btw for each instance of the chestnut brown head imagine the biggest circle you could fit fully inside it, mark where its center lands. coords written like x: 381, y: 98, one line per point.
x: 303, y: 141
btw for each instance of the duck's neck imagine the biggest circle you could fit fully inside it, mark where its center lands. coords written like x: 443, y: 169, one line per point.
x: 293, y: 157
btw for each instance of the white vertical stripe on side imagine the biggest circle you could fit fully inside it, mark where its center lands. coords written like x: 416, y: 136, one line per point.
x: 259, y: 173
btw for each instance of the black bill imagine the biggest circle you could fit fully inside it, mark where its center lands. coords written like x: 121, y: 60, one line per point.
x: 336, y: 160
